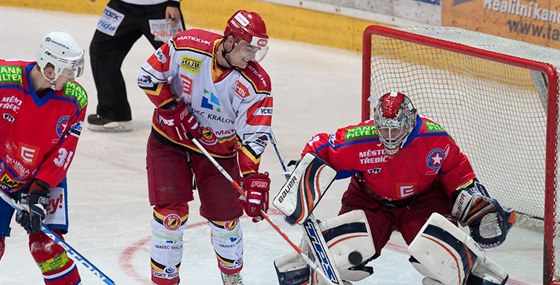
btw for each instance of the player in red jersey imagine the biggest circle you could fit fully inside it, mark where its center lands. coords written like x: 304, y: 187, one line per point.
x: 210, y: 87
x: 404, y: 167
x: 42, y: 109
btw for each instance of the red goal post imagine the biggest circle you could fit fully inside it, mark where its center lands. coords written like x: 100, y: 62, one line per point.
x: 497, y: 97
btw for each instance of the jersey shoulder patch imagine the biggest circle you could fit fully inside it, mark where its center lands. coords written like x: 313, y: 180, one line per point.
x: 11, y: 74
x: 363, y: 130
x: 430, y: 126
x: 74, y: 90
x: 257, y: 77
x: 196, y: 40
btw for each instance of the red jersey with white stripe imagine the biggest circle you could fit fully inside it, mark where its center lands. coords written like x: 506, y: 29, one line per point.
x: 429, y: 154
x: 38, y: 135
x: 233, y: 107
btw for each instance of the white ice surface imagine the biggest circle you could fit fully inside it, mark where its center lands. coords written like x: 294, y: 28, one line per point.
x: 316, y: 89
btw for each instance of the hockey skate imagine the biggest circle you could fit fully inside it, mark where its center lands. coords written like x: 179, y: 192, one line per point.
x: 100, y: 124
x: 232, y: 279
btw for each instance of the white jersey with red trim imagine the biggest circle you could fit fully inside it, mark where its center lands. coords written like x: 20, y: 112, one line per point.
x: 232, y: 107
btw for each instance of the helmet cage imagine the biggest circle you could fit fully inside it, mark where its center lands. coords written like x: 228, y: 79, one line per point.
x: 394, y: 117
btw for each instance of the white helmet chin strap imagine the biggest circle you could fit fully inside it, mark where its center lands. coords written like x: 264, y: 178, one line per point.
x: 53, y: 85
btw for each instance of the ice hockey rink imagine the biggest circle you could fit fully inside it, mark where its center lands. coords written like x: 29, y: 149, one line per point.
x: 316, y: 89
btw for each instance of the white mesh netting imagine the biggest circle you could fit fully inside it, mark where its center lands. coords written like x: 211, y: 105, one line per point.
x: 495, y: 111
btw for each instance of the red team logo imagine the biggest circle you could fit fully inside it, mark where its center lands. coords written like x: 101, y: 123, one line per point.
x: 187, y: 84
x: 241, y: 90
x: 172, y: 222
x: 230, y: 225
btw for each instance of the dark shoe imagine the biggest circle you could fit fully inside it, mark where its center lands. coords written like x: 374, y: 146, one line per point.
x: 100, y: 124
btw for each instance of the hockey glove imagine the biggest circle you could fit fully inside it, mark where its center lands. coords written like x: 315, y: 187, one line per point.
x: 35, y: 203
x: 177, y: 122
x: 488, y: 222
x: 256, y: 188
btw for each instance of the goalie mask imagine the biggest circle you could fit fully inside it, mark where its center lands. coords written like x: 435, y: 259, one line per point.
x: 249, y: 31
x: 63, y: 52
x: 394, y: 117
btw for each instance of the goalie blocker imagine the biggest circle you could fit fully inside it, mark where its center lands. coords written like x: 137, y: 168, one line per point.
x: 302, y: 191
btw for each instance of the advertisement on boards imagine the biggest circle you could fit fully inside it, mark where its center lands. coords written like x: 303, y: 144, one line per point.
x: 535, y: 21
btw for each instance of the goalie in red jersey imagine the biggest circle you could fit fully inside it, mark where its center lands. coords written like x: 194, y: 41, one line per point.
x: 409, y: 175
x: 43, y: 109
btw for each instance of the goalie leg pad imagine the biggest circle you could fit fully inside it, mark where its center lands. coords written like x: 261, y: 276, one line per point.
x: 227, y: 240
x: 292, y: 269
x: 443, y: 252
x: 349, y: 239
x: 168, y: 226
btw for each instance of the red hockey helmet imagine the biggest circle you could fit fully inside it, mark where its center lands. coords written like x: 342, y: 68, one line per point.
x: 249, y: 27
x: 394, y: 118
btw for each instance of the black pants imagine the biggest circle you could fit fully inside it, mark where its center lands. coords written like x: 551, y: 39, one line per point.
x: 107, y: 54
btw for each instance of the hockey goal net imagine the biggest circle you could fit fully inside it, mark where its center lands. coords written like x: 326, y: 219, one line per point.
x: 497, y: 97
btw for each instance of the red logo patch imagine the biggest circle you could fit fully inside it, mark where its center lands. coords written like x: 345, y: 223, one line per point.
x: 172, y: 222
x: 241, y: 90
x: 230, y: 225
x: 187, y: 84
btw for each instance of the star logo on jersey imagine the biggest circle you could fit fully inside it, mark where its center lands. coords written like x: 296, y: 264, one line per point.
x: 435, y: 158
x: 61, y: 125
x: 209, y: 101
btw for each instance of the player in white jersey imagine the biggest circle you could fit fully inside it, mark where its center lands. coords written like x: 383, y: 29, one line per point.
x: 121, y: 24
x: 210, y: 88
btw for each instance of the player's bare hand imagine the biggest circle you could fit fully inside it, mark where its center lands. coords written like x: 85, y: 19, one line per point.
x: 173, y: 14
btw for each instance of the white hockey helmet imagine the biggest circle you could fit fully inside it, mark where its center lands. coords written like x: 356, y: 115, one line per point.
x: 62, y: 51
x: 394, y: 118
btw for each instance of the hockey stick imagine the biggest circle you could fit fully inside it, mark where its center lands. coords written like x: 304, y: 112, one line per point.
x: 311, y: 229
x: 263, y: 214
x: 71, y: 251
x: 285, y: 170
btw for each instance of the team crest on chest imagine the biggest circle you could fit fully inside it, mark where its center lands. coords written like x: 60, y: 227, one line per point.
x: 435, y: 158
x: 61, y: 125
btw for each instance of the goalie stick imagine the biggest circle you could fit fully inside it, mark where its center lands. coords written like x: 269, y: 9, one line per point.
x: 310, y: 226
x: 71, y: 251
x: 307, y: 260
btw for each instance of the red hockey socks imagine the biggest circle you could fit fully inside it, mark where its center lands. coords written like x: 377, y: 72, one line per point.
x: 56, y: 266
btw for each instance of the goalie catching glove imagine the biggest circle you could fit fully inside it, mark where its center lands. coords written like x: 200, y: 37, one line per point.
x: 488, y: 222
x: 256, y: 188
x: 177, y: 122
x: 34, y: 203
